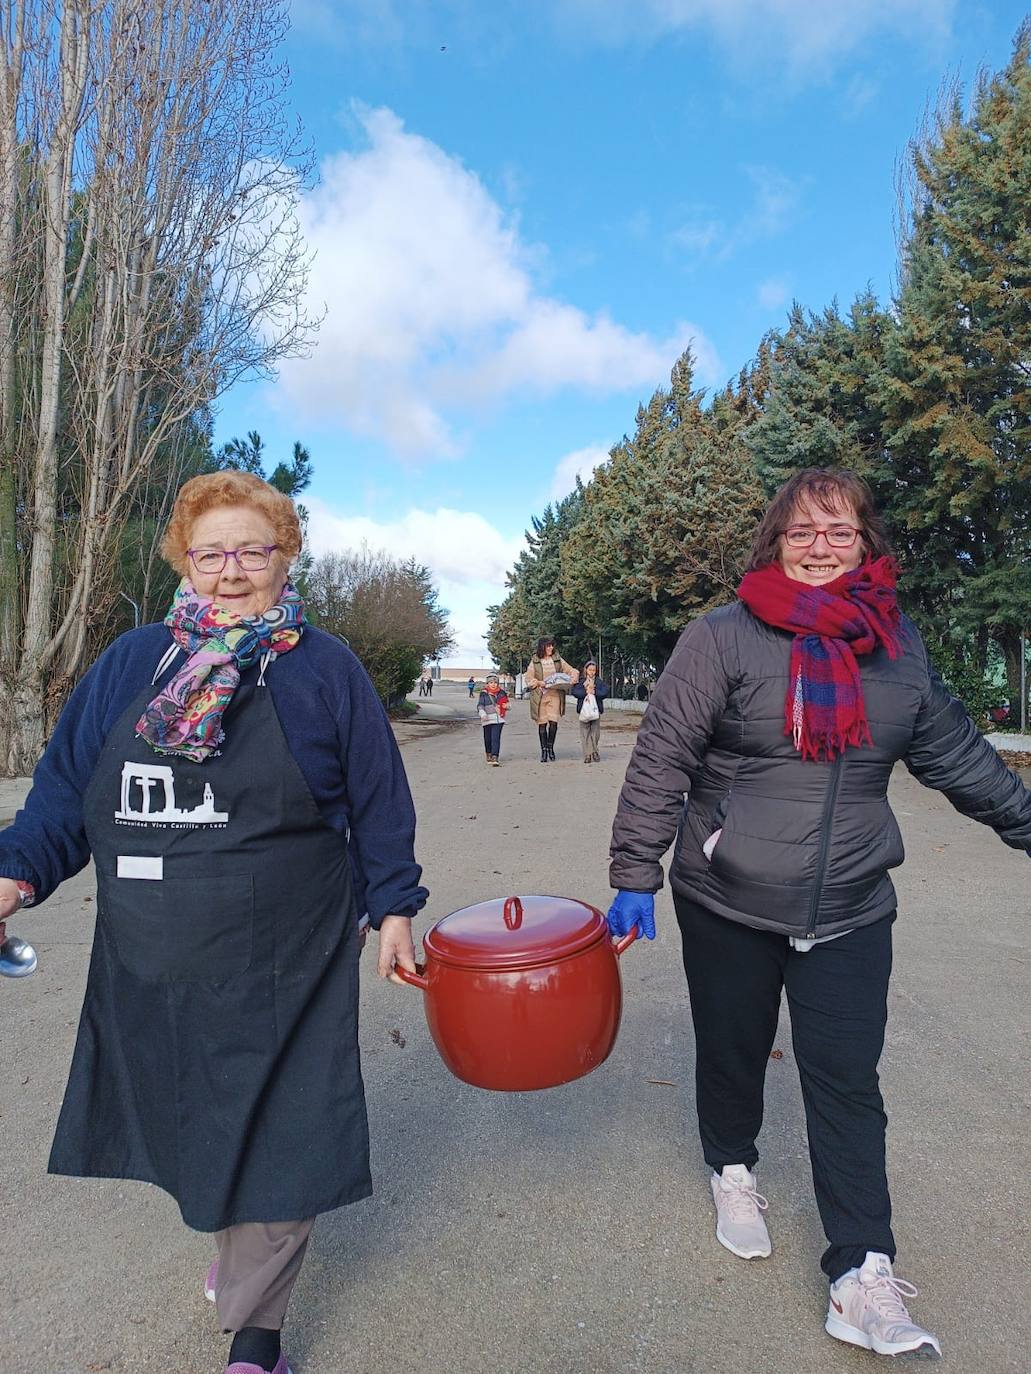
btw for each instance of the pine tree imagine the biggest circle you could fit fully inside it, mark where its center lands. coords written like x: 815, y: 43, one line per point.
x: 510, y: 632
x: 820, y: 408
x: 665, y: 522
x: 955, y: 388
x: 537, y: 575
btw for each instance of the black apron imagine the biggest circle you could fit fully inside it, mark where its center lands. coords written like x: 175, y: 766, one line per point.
x: 217, y: 1053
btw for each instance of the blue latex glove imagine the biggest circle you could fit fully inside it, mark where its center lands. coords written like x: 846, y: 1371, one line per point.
x: 632, y: 909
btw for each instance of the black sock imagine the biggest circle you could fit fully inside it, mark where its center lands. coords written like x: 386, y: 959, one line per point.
x: 255, y: 1345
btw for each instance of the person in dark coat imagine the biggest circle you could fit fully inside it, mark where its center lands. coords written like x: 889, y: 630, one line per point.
x: 766, y: 751
x: 235, y: 779
x: 589, y: 694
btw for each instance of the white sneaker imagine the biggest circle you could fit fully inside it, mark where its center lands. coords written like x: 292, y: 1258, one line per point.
x: 739, y: 1208
x: 867, y: 1309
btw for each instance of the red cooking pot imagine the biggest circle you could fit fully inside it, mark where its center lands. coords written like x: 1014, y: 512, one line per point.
x: 522, y: 992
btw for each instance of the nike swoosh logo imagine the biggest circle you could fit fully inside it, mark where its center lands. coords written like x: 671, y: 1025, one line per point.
x: 837, y: 1305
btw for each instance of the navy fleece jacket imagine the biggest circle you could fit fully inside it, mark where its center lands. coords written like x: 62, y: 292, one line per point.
x: 335, y: 728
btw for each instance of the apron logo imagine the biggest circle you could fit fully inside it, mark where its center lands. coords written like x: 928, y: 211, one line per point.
x: 148, y: 798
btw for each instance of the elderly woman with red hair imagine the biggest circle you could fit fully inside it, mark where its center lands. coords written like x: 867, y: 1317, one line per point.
x: 236, y: 782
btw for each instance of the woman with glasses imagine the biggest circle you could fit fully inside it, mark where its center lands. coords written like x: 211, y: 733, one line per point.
x: 766, y: 751
x: 236, y: 782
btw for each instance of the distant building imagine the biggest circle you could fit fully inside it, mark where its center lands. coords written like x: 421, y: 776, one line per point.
x: 464, y: 674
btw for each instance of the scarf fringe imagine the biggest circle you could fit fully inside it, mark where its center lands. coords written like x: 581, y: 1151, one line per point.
x: 829, y: 745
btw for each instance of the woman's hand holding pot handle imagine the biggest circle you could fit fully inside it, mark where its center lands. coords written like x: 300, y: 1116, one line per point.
x: 395, y: 947
x: 630, y: 909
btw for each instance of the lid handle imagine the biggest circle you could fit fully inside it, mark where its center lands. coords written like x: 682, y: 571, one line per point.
x: 513, y: 913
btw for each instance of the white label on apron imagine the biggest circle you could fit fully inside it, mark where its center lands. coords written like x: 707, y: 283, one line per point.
x: 140, y: 866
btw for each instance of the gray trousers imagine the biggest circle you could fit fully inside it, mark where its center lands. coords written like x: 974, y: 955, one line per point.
x: 590, y: 734
x: 258, y: 1264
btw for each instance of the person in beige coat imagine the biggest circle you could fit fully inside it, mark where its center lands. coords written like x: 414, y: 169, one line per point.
x: 547, y: 679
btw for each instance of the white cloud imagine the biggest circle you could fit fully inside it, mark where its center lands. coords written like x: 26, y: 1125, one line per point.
x: 431, y: 306
x: 860, y: 92
x: 776, y: 196
x: 807, y: 34
x: 771, y: 210
x: 467, y: 556
x: 698, y: 236
x: 459, y: 545
x: 580, y: 463
x: 772, y: 293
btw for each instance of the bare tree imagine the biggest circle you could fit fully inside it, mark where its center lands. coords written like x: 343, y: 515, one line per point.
x: 157, y: 146
x: 387, y: 611
x: 13, y: 40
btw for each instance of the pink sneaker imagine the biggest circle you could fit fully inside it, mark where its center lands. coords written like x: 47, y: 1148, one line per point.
x: 281, y: 1368
x: 867, y: 1309
x: 210, y: 1281
x: 739, y: 1213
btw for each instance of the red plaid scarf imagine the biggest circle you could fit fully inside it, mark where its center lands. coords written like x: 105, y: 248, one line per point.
x: 824, y: 710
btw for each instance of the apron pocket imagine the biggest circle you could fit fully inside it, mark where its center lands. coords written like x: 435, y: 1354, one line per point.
x: 192, y: 930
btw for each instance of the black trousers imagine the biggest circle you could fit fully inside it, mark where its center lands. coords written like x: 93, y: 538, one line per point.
x: 837, y: 999
x: 492, y: 739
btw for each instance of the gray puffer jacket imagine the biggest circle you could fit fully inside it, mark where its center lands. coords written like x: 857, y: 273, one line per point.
x: 805, y: 846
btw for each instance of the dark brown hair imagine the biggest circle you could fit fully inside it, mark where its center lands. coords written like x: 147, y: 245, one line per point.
x: 543, y: 643
x: 831, y: 489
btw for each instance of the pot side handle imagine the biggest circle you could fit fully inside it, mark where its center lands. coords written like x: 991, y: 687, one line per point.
x: 620, y: 946
x: 417, y: 979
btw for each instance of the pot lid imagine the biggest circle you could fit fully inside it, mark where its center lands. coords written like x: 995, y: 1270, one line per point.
x: 515, y: 932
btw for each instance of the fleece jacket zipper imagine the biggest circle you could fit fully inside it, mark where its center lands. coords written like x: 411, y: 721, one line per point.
x: 825, y: 844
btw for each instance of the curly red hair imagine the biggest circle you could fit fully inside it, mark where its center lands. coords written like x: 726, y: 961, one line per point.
x: 204, y: 493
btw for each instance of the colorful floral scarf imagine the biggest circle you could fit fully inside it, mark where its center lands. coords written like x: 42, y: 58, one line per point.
x: 824, y: 709
x: 185, y: 718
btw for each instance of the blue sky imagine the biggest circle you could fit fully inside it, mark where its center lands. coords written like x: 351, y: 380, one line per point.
x: 525, y: 209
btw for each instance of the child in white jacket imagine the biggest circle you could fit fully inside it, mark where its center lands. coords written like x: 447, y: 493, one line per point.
x: 492, y: 708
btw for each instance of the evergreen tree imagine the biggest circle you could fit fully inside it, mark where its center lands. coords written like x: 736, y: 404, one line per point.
x: 292, y: 478
x: 820, y: 408
x: 242, y: 455
x: 510, y: 632
x: 955, y: 387
x: 537, y: 577
x: 665, y: 522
